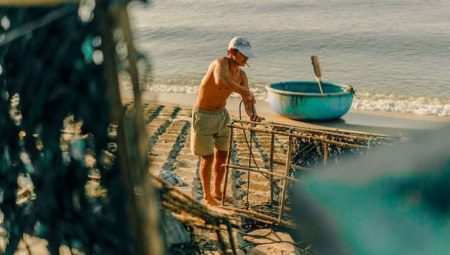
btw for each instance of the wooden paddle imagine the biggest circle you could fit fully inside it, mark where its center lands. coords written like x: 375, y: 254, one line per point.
x: 317, y: 70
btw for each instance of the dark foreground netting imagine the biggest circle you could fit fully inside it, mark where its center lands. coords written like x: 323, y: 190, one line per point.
x: 58, y: 177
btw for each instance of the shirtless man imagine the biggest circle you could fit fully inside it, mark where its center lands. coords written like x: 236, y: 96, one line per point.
x: 209, y: 132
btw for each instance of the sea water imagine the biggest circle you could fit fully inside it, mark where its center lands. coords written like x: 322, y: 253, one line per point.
x: 395, y: 53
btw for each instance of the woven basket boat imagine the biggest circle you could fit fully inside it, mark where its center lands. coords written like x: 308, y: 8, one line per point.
x: 302, y: 100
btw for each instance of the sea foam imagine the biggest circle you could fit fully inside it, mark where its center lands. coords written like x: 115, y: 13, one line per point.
x: 362, y: 101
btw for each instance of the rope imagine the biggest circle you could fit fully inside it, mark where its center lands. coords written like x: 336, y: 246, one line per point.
x: 251, y: 156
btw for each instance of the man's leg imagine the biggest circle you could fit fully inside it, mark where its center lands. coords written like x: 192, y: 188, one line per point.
x: 219, y: 159
x: 205, y: 177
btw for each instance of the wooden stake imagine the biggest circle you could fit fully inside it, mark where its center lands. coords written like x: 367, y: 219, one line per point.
x: 272, y: 142
x: 283, y: 193
x: 230, y: 146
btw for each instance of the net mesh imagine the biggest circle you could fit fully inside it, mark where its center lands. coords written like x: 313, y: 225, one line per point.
x: 58, y: 177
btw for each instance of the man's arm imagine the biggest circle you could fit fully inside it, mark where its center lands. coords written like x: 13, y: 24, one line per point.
x: 250, y: 108
x: 223, y: 78
x: 251, y: 112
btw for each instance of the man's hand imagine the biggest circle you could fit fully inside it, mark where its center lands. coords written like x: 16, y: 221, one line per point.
x: 250, y: 108
x: 257, y: 118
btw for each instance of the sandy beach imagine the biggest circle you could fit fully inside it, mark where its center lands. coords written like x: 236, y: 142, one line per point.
x: 373, y: 122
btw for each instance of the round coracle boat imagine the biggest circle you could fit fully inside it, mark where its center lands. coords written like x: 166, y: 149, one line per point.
x: 303, y: 100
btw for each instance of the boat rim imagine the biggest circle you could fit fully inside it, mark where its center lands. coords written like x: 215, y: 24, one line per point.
x: 284, y: 92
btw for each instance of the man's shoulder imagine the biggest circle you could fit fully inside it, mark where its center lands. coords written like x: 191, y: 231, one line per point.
x: 222, y: 59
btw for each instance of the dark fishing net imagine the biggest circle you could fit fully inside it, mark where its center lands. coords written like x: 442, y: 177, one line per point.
x: 311, y: 152
x: 58, y: 177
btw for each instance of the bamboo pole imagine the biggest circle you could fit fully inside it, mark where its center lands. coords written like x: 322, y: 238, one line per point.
x: 336, y: 131
x: 249, y: 166
x: 261, y: 172
x: 222, y: 245
x: 293, y: 166
x: 230, y: 146
x: 181, y: 207
x: 111, y: 76
x: 191, y: 204
x: 261, y: 217
x: 272, y: 147
x: 230, y: 235
x: 263, y: 210
x: 283, y: 193
x: 202, y: 220
x: 143, y: 208
x: 148, y: 202
x: 299, y: 136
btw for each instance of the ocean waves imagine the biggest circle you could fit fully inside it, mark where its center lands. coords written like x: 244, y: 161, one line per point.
x: 365, y: 101
x: 393, y: 103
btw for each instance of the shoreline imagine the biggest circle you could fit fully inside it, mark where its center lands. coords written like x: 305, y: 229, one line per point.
x: 415, y: 106
x: 388, y: 123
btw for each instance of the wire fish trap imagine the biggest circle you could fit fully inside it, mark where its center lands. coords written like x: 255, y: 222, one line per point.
x: 281, y: 154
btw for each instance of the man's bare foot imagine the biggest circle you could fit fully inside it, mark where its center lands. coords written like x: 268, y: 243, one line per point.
x: 210, y: 202
x: 218, y: 196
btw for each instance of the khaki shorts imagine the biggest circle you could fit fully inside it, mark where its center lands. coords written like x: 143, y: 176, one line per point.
x: 208, y: 131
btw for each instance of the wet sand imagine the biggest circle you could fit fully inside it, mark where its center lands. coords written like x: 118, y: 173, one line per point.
x: 373, y: 122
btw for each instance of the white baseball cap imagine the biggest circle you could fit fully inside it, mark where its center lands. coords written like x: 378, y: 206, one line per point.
x: 243, y: 45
